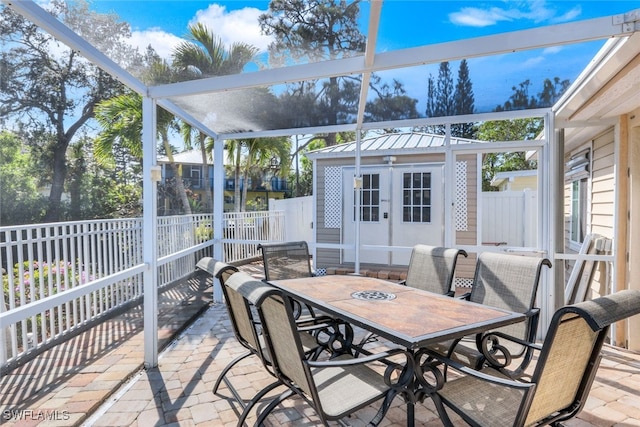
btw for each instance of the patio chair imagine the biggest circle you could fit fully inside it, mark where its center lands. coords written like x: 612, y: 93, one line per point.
x: 509, y: 282
x: 241, y: 291
x: 216, y: 268
x: 288, y: 260
x: 432, y: 268
x: 562, y: 378
x: 334, y: 388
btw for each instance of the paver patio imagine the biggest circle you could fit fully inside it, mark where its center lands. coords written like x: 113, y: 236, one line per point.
x: 96, y: 379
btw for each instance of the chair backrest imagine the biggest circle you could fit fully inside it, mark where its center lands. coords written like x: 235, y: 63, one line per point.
x: 283, y: 341
x: 509, y: 282
x: 241, y: 291
x: 218, y: 269
x: 571, y: 353
x: 432, y: 268
x: 285, y: 260
x: 583, y: 271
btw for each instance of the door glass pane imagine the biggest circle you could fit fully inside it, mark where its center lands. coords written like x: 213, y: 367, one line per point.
x: 416, y: 197
x: 370, y: 198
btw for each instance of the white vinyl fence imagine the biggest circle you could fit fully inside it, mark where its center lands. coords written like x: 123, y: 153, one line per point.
x: 509, y: 218
x: 58, y: 277
x: 299, y: 214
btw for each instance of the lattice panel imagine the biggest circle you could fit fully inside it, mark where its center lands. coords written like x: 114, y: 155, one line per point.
x: 333, y: 197
x: 461, y: 196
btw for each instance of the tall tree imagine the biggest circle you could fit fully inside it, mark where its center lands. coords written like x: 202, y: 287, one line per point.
x: 446, y: 99
x: 463, y: 102
x: 316, y: 30
x: 205, y: 55
x: 46, y: 84
x: 392, y: 102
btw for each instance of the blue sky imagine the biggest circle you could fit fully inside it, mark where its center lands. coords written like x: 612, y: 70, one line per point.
x: 404, y: 23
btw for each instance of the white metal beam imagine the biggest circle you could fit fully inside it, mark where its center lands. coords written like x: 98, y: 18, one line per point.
x: 537, y: 38
x: 369, y: 56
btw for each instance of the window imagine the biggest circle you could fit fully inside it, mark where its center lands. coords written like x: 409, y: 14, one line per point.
x: 416, y: 197
x: 370, y: 202
x: 578, y: 210
x: 194, y: 175
x: 577, y: 172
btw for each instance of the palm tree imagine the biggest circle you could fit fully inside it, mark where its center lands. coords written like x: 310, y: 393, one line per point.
x: 206, y: 146
x: 121, y: 121
x: 205, y: 55
x: 259, y: 152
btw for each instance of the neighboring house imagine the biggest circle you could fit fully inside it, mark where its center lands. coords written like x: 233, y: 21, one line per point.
x: 515, y: 180
x: 193, y: 177
x: 599, y: 122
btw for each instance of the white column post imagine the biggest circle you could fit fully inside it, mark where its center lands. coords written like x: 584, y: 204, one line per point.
x: 218, y: 210
x: 357, y: 184
x: 150, y: 176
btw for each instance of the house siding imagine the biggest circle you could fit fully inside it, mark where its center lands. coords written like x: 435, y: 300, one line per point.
x: 601, y: 205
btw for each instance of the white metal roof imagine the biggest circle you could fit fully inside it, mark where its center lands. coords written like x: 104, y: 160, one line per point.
x: 390, y: 143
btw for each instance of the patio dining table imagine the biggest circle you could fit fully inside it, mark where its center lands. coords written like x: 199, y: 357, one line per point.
x: 405, y: 316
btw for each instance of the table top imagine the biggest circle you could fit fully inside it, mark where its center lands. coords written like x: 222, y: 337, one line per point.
x: 410, y: 317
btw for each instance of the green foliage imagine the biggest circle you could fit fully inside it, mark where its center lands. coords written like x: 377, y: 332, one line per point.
x: 517, y: 129
x: 47, y: 86
x: 506, y: 130
x: 204, y: 232
x: 20, y: 202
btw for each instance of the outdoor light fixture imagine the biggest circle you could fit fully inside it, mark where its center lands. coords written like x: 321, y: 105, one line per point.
x: 357, y: 182
x: 156, y: 173
x: 389, y: 159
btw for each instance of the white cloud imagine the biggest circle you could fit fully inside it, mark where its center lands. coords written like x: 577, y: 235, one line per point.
x: 476, y: 17
x: 161, y: 41
x: 536, y: 11
x: 234, y: 26
x: 553, y: 50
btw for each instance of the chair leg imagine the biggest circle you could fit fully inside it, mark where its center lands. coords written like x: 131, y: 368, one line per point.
x: 227, y: 368
x: 255, y: 400
x: 275, y: 402
x: 386, y: 404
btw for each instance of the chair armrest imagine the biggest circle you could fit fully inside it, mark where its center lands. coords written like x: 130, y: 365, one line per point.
x: 350, y: 361
x: 466, y: 370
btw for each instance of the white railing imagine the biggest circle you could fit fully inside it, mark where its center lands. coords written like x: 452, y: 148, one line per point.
x: 243, y: 229
x: 58, y: 277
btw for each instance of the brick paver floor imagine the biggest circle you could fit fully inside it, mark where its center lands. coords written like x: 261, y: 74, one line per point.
x: 179, y: 390
x: 63, y: 385
x: 96, y: 379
